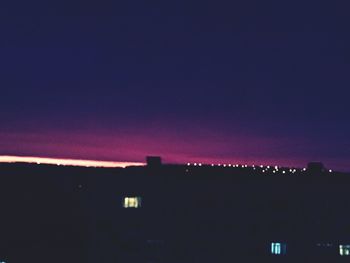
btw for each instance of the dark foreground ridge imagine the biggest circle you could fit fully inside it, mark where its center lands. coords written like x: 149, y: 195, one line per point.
x: 173, y: 214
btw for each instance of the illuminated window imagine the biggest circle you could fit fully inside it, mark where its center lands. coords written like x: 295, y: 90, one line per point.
x: 278, y: 248
x: 132, y: 202
x: 344, y: 250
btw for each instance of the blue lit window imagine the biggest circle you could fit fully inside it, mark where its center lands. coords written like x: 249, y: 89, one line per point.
x: 344, y: 250
x: 278, y: 248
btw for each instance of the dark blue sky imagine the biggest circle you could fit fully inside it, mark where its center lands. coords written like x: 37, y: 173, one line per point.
x: 213, y: 81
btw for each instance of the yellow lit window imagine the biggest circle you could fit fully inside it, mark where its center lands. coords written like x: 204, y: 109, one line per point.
x: 132, y: 202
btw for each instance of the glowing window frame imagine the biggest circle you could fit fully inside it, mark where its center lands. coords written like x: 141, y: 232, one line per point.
x: 344, y: 250
x: 278, y: 248
x: 132, y: 202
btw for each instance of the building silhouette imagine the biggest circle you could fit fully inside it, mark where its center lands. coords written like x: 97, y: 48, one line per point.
x: 173, y: 213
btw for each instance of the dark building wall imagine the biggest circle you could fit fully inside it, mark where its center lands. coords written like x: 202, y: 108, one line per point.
x: 77, y: 215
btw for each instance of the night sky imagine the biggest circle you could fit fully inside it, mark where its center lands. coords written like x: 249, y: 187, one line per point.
x: 193, y: 81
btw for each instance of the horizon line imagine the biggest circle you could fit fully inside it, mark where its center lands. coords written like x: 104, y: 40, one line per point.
x: 66, y: 161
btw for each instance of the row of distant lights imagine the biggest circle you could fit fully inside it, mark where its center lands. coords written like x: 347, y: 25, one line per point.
x: 264, y: 168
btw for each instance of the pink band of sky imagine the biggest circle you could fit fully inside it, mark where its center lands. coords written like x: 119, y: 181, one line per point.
x: 173, y: 146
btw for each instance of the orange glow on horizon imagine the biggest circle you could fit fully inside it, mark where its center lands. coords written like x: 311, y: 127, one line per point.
x: 66, y: 162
